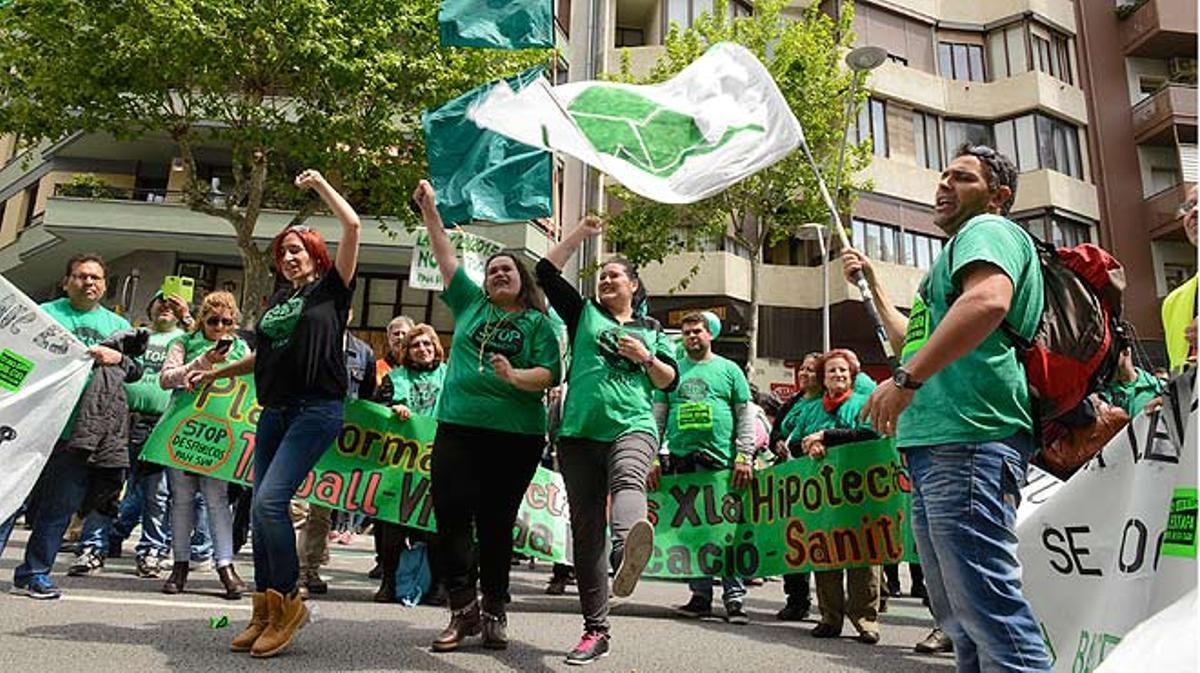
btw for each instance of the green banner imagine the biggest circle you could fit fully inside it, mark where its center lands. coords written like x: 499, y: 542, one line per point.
x: 850, y: 509
x: 847, y: 510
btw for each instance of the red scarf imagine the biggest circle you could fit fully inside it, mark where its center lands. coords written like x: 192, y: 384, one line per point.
x: 832, y: 403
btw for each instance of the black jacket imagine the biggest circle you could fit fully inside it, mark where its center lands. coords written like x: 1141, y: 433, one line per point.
x: 102, y: 422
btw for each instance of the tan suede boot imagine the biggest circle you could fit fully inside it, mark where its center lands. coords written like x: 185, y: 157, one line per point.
x: 243, y: 641
x: 286, y: 615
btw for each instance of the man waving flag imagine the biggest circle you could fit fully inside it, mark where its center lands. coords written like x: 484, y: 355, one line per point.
x: 718, y: 121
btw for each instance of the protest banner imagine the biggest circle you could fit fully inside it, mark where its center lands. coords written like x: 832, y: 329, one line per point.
x: 848, y: 510
x: 473, y: 250
x: 378, y: 465
x: 43, y: 370
x: 1115, y: 544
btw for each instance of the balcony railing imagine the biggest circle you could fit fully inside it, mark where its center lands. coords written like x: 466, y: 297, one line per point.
x: 1154, y: 116
x: 1161, y: 210
x: 1160, y: 29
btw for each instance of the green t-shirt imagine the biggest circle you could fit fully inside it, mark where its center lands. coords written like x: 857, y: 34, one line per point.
x: 145, y: 395
x: 701, y: 416
x: 609, y: 396
x: 472, y: 395
x: 845, y: 417
x: 797, y: 412
x: 418, y: 389
x: 982, y: 396
x: 90, y: 327
x: 1133, y: 396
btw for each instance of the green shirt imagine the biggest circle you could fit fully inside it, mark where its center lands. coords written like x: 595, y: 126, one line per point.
x: 797, y: 412
x: 982, y: 396
x: 609, y: 396
x: 472, y: 395
x: 90, y: 327
x: 1133, y: 396
x: 417, y: 389
x: 145, y: 395
x: 701, y: 416
x: 845, y: 417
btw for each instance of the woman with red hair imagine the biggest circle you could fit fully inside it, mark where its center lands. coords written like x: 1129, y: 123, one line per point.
x: 300, y: 375
x: 832, y: 422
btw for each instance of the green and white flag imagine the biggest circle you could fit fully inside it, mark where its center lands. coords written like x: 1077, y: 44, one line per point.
x: 718, y: 121
x: 481, y: 175
x: 496, y: 24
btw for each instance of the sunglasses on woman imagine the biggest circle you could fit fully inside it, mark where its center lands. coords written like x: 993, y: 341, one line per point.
x: 219, y: 322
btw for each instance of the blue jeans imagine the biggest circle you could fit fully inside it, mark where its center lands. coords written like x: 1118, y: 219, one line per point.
x: 144, y: 501
x: 288, y: 443
x: 733, y: 590
x: 59, y: 493
x: 964, y: 510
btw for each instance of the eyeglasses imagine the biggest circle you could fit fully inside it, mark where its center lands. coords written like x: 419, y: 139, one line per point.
x: 1186, y: 206
x: 219, y: 322
x: 299, y: 228
x: 85, y: 277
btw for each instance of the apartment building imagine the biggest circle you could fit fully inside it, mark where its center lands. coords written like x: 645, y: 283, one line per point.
x: 1139, y: 71
x: 1022, y: 75
x: 1004, y: 72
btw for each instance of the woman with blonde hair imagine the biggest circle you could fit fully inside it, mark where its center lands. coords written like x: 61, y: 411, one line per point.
x: 412, y: 387
x: 211, y: 339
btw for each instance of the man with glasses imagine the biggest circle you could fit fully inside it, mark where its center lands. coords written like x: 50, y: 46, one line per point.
x: 146, y: 493
x: 959, y: 407
x: 67, y: 477
x: 1179, y: 308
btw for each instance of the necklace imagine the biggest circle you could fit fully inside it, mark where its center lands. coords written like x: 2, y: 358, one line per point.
x: 490, y: 330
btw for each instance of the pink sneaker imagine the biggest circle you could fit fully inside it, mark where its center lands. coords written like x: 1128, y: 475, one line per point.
x: 591, y: 647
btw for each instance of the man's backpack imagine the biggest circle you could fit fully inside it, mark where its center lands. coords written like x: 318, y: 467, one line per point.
x: 1075, y: 349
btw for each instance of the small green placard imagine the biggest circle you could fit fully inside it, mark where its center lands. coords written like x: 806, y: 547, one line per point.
x: 1180, y: 537
x: 13, y: 368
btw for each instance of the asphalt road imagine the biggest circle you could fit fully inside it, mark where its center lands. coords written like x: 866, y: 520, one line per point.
x: 115, y: 621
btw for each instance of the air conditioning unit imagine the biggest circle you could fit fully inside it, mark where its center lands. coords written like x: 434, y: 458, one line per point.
x: 1182, y: 69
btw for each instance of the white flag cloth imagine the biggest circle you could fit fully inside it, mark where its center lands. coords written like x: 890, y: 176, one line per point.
x: 43, y: 369
x: 718, y: 121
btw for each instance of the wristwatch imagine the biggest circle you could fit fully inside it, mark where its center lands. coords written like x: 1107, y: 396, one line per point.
x: 905, y: 380
x: 648, y: 361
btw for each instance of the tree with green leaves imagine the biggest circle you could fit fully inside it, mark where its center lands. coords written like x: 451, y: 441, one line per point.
x: 279, y: 84
x: 805, y: 59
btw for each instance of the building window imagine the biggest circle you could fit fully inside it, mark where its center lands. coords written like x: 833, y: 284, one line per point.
x: 927, y: 140
x: 630, y: 37
x: 961, y: 61
x: 886, y: 243
x: 1051, y: 52
x: 872, y: 125
x: 1039, y: 141
x: 379, y: 298
x: 740, y: 8
x: 685, y: 12
x: 1058, y: 230
x: 958, y: 131
x: 1007, y: 53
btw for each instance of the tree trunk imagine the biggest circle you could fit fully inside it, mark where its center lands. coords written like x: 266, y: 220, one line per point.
x: 752, y: 325
x: 258, y: 282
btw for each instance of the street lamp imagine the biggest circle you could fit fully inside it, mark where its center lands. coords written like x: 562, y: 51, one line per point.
x: 858, y: 60
x: 820, y: 231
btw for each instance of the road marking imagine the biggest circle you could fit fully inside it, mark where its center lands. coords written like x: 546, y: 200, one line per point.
x: 154, y: 603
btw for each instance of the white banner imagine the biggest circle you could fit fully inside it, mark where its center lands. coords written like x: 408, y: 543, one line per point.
x: 721, y: 119
x: 43, y: 369
x: 1116, y: 543
x: 473, y: 252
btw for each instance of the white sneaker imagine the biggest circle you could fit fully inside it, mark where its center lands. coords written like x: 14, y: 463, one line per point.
x: 639, y: 544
